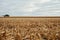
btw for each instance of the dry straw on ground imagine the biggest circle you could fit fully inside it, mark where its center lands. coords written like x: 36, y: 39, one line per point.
x: 29, y: 28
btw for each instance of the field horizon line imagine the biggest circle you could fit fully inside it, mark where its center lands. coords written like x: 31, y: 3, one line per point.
x: 30, y: 17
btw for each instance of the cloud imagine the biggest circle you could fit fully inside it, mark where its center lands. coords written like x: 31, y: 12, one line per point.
x: 41, y: 1
x: 30, y: 7
x: 44, y: 1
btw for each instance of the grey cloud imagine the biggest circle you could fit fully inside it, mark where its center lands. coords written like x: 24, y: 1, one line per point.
x: 16, y: 7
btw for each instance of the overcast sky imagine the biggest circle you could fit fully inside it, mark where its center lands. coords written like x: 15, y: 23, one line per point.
x: 30, y: 7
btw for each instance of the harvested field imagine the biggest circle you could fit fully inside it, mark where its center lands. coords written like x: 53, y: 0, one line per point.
x: 29, y: 28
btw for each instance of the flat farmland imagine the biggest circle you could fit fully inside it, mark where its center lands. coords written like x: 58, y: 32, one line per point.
x: 29, y: 28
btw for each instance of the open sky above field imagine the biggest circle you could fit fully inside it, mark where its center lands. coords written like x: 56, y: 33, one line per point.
x: 30, y: 7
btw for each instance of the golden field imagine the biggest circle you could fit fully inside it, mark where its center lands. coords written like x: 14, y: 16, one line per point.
x: 29, y: 28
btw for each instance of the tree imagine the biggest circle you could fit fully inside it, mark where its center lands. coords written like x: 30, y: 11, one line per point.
x: 6, y: 15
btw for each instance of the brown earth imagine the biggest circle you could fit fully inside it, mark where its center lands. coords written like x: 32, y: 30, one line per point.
x: 29, y: 28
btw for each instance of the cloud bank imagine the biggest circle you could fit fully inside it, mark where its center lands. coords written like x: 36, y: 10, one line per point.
x: 30, y: 7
